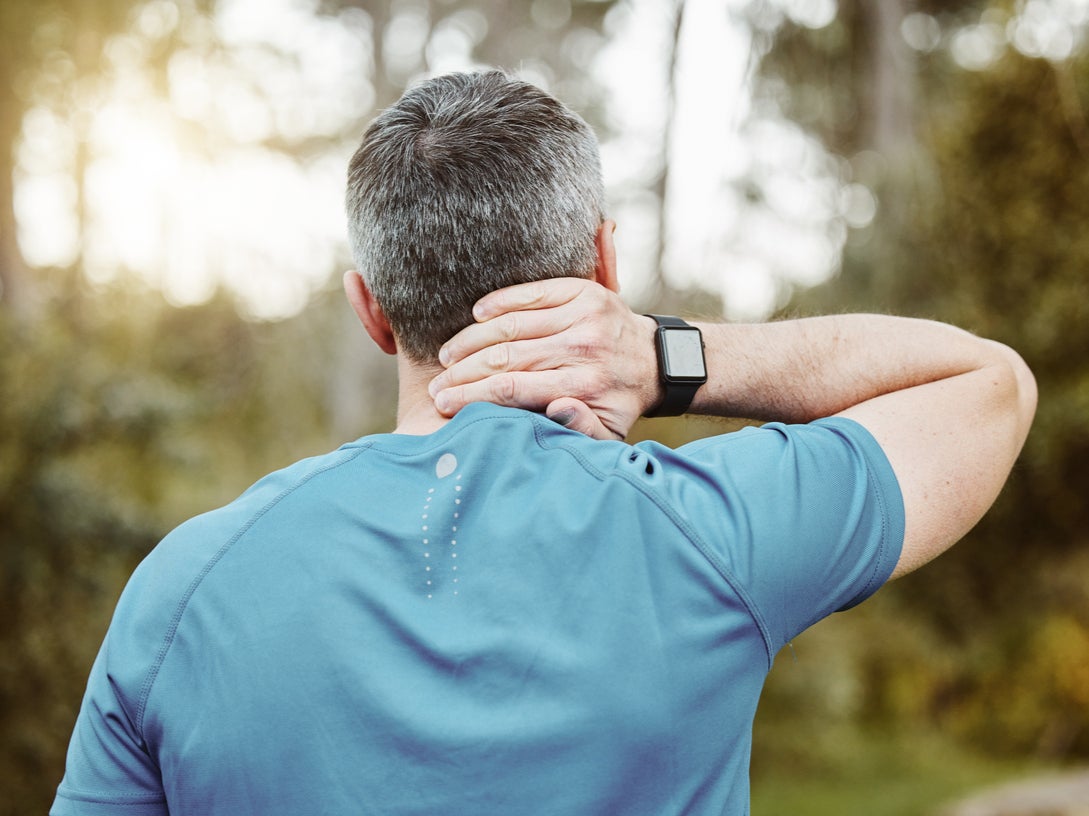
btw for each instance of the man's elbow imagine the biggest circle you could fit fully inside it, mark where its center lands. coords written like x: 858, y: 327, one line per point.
x: 1022, y: 394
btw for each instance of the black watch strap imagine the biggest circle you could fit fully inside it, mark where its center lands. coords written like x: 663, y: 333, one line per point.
x: 678, y: 392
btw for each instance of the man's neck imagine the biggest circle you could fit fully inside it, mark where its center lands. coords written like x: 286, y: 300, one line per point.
x: 416, y: 414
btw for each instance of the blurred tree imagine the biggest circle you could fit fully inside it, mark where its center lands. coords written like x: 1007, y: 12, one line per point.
x: 121, y: 417
x: 50, y: 53
x: 984, y: 193
x: 1005, y: 252
x: 553, y: 42
x: 48, y: 574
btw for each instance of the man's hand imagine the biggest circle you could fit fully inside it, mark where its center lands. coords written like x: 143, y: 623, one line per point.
x: 568, y: 347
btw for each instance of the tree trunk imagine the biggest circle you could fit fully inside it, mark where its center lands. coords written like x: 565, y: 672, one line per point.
x: 890, y: 129
x: 664, y: 296
x: 357, y: 379
x: 12, y: 266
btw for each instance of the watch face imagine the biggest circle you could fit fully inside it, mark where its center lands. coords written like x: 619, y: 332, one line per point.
x: 683, y: 354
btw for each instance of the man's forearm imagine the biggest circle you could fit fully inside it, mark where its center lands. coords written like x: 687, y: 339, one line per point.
x: 569, y: 345
x: 799, y: 370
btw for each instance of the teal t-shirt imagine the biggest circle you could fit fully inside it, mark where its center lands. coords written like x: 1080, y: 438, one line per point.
x: 502, y: 617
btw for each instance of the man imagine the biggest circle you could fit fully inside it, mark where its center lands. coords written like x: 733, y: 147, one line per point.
x: 487, y: 612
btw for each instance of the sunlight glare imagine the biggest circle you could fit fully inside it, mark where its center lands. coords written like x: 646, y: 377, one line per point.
x: 182, y: 191
x: 51, y: 241
x: 46, y: 196
x: 137, y: 169
x: 189, y: 192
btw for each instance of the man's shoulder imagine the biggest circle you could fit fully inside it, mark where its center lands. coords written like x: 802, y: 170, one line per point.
x: 194, y: 545
x: 161, y: 586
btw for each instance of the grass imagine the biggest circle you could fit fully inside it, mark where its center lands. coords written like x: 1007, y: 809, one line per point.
x: 875, y: 774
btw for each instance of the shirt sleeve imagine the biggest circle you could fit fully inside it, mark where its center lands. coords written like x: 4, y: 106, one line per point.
x: 111, y: 768
x: 806, y: 519
x: 108, y: 768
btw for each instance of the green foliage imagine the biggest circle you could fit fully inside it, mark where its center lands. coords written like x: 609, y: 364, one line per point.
x: 1003, y: 252
x: 984, y: 226
x: 120, y: 418
x: 891, y: 771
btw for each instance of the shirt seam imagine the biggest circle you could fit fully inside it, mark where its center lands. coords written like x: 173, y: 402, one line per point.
x: 878, y: 491
x: 683, y: 527
x: 209, y: 565
x: 78, y: 795
x: 444, y: 442
x: 845, y: 429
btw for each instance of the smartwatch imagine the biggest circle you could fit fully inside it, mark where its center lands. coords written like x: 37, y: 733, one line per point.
x: 682, y: 368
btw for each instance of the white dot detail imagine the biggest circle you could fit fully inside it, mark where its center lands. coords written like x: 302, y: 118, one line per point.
x: 446, y: 465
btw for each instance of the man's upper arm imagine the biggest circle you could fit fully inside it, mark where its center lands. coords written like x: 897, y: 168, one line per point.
x: 951, y: 444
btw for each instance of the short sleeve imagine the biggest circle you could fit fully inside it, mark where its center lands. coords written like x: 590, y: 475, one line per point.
x: 109, y: 769
x: 806, y: 519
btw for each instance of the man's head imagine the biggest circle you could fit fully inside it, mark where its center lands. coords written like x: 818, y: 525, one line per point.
x: 469, y: 183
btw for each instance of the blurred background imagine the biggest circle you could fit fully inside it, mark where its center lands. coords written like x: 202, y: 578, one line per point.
x: 171, y: 326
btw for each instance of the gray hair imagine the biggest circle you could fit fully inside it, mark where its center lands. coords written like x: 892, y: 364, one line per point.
x: 469, y: 183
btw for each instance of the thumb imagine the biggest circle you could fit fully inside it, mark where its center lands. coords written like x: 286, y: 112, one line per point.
x: 577, y: 416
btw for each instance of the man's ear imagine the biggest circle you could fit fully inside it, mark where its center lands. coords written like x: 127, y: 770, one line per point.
x: 605, y: 268
x: 369, y: 312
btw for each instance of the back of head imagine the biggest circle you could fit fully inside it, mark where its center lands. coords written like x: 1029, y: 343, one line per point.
x: 469, y: 183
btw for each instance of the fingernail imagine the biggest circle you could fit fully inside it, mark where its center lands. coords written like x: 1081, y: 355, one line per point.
x: 433, y: 389
x: 442, y: 403
x: 563, y: 417
x: 479, y: 313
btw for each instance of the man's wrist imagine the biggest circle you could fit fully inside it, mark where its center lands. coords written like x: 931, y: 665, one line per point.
x: 681, y: 365
x: 651, y: 391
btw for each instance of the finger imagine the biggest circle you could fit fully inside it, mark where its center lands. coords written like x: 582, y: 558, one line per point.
x: 576, y: 415
x: 532, y: 390
x: 566, y: 350
x: 506, y: 328
x: 527, y: 296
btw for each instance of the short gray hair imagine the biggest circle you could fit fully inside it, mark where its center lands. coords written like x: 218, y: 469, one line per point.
x: 469, y: 183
